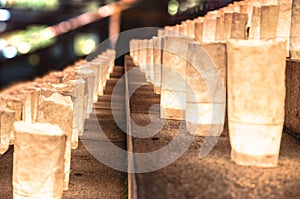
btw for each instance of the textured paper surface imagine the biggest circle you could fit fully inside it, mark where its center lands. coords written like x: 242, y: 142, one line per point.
x: 88, y: 74
x: 284, y: 23
x: 173, y: 72
x: 38, y: 161
x: 206, y: 80
x: 254, y: 32
x: 190, y: 28
x: 78, y: 108
x: 58, y: 109
x: 239, y: 26
x: 71, y: 89
x: 295, y: 31
x: 198, y: 31
x: 157, y: 56
x: 149, y: 61
x: 256, y: 97
x: 209, y: 29
x: 142, y: 55
x: 220, y: 27
x: 269, y: 21
x: 7, y: 118
x: 227, y: 25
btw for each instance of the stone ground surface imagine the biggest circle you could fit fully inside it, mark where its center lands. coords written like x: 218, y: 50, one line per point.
x: 89, y: 178
x: 215, y: 176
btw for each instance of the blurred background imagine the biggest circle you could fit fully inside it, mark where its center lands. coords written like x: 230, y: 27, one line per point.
x: 37, y: 36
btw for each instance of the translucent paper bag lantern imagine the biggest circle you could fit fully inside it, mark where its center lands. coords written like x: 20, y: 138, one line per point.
x: 295, y: 31
x: 173, y: 72
x: 256, y: 96
x: 205, y: 89
x: 7, y: 118
x: 38, y: 169
x: 58, y: 109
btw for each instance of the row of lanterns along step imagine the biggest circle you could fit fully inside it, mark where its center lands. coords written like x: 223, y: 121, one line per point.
x: 233, y: 59
x: 43, y: 119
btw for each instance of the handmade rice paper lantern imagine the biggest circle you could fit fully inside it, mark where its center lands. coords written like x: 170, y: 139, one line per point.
x: 85, y: 72
x: 133, y: 49
x: 173, y: 91
x: 239, y: 26
x: 149, y: 61
x: 209, y: 27
x: 227, y: 25
x: 142, y: 55
x: 198, y: 31
x: 14, y: 104
x: 205, y: 88
x: 111, y: 59
x: 256, y: 96
x: 220, y: 26
x: 38, y: 169
x: 190, y: 28
x: 78, y: 107
x: 254, y: 32
x: 104, y: 74
x: 243, y: 7
x: 58, y: 109
x: 34, y: 94
x: 182, y: 29
x: 77, y: 96
x: 295, y: 31
x: 7, y: 118
x: 284, y: 22
x: 157, y: 55
x: 95, y: 65
x: 269, y: 21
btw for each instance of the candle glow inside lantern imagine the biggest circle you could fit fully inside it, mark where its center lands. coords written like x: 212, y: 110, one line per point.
x: 256, y: 97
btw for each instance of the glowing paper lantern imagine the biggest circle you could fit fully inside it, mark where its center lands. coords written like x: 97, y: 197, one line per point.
x: 58, y: 109
x: 198, y: 30
x: 284, y: 23
x: 269, y: 21
x: 149, y: 61
x: 38, y: 161
x: 220, y: 25
x: 256, y: 97
x: 157, y: 54
x: 205, y: 89
x: 209, y: 27
x: 254, y: 32
x: 173, y: 91
x: 239, y: 26
x: 295, y: 31
x: 86, y: 72
x: 7, y: 118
